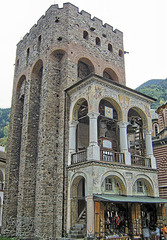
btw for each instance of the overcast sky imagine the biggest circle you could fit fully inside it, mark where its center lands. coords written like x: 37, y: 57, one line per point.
x: 143, y: 23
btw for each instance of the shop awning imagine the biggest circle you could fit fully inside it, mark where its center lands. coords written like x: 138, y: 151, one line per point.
x: 128, y: 199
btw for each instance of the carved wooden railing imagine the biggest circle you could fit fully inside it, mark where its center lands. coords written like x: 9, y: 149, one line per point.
x: 78, y: 157
x: 112, y: 156
x: 140, y: 161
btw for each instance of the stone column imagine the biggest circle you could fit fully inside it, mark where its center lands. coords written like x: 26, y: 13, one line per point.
x: 93, y: 151
x: 149, y: 148
x: 90, y: 216
x: 72, y: 139
x: 69, y: 209
x: 124, y: 141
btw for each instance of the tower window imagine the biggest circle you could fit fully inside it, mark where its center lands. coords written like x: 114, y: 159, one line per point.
x: 39, y: 40
x: 28, y: 54
x: 120, y: 53
x: 110, y: 47
x: 98, y: 41
x: 85, y: 35
x: 17, y: 63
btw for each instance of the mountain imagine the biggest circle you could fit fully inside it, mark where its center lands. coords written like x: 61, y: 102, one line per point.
x: 156, y: 88
x: 4, y: 125
x: 150, y: 82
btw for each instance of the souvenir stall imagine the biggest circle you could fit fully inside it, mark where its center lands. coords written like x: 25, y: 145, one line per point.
x: 128, y: 220
x: 111, y: 221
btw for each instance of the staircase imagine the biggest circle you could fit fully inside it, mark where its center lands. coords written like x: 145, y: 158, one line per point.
x: 78, y: 231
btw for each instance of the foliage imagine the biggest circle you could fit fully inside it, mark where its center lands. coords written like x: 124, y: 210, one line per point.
x: 4, y: 125
x: 156, y: 89
x: 4, y: 238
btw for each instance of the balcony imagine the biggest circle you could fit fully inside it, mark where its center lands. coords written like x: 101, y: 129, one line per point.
x: 106, y: 156
x: 140, y: 161
x: 110, y: 156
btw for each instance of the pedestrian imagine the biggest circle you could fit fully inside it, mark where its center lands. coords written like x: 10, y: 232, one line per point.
x: 157, y: 232
x: 164, y: 230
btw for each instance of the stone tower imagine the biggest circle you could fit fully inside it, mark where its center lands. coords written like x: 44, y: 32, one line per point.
x: 66, y: 66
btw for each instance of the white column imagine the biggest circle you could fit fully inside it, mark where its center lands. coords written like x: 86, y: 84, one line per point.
x: 149, y: 147
x: 124, y: 141
x: 72, y: 139
x: 93, y: 151
x: 90, y: 216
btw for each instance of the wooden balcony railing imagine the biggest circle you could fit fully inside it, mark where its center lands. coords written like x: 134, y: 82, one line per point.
x: 112, y: 156
x: 106, y: 156
x: 78, y: 157
x: 140, y: 161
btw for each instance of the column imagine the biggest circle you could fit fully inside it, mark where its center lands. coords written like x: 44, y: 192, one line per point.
x: 72, y: 139
x: 124, y: 141
x: 149, y: 147
x: 90, y: 216
x: 93, y: 151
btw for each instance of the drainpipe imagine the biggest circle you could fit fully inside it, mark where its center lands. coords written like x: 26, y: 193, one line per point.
x: 65, y: 99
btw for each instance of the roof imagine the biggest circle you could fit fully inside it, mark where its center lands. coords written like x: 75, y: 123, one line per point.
x: 128, y: 199
x: 111, y: 82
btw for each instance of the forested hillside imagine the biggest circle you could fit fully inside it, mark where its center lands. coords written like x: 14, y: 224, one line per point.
x: 4, y: 125
x: 156, y: 89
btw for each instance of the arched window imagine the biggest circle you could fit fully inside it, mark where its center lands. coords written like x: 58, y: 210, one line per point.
x: 85, y: 35
x: 110, y: 74
x: 85, y: 67
x: 98, y: 41
x: 156, y: 129
x: 112, y: 185
x: 120, y: 53
x: 141, y: 187
x: 110, y: 47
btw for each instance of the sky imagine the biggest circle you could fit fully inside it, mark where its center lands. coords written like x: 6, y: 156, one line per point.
x: 143, y: 23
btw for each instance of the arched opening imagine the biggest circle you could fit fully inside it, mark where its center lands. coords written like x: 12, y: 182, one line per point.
x: 155, y: 129
x: 108, y: 131
x: 113, y: 185
x: 85, y: 35
x: 78, y: 195
x: 120, y: 53
x: 143, y: 187
x: 110, y: 74
x: 110, y: 48
x: 98, y: 43
x: 85, y: 67
x: 83, y: 126
x: 136, y: 136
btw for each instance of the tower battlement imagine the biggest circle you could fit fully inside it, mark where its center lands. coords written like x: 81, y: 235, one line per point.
x: 54, y: 12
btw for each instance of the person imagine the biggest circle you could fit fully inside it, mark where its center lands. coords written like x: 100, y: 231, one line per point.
x: 157, y: 232
x: 146, y: 233
x: 164, y: 230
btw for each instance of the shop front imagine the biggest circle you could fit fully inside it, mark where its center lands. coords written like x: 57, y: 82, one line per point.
x: 127, y: 217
